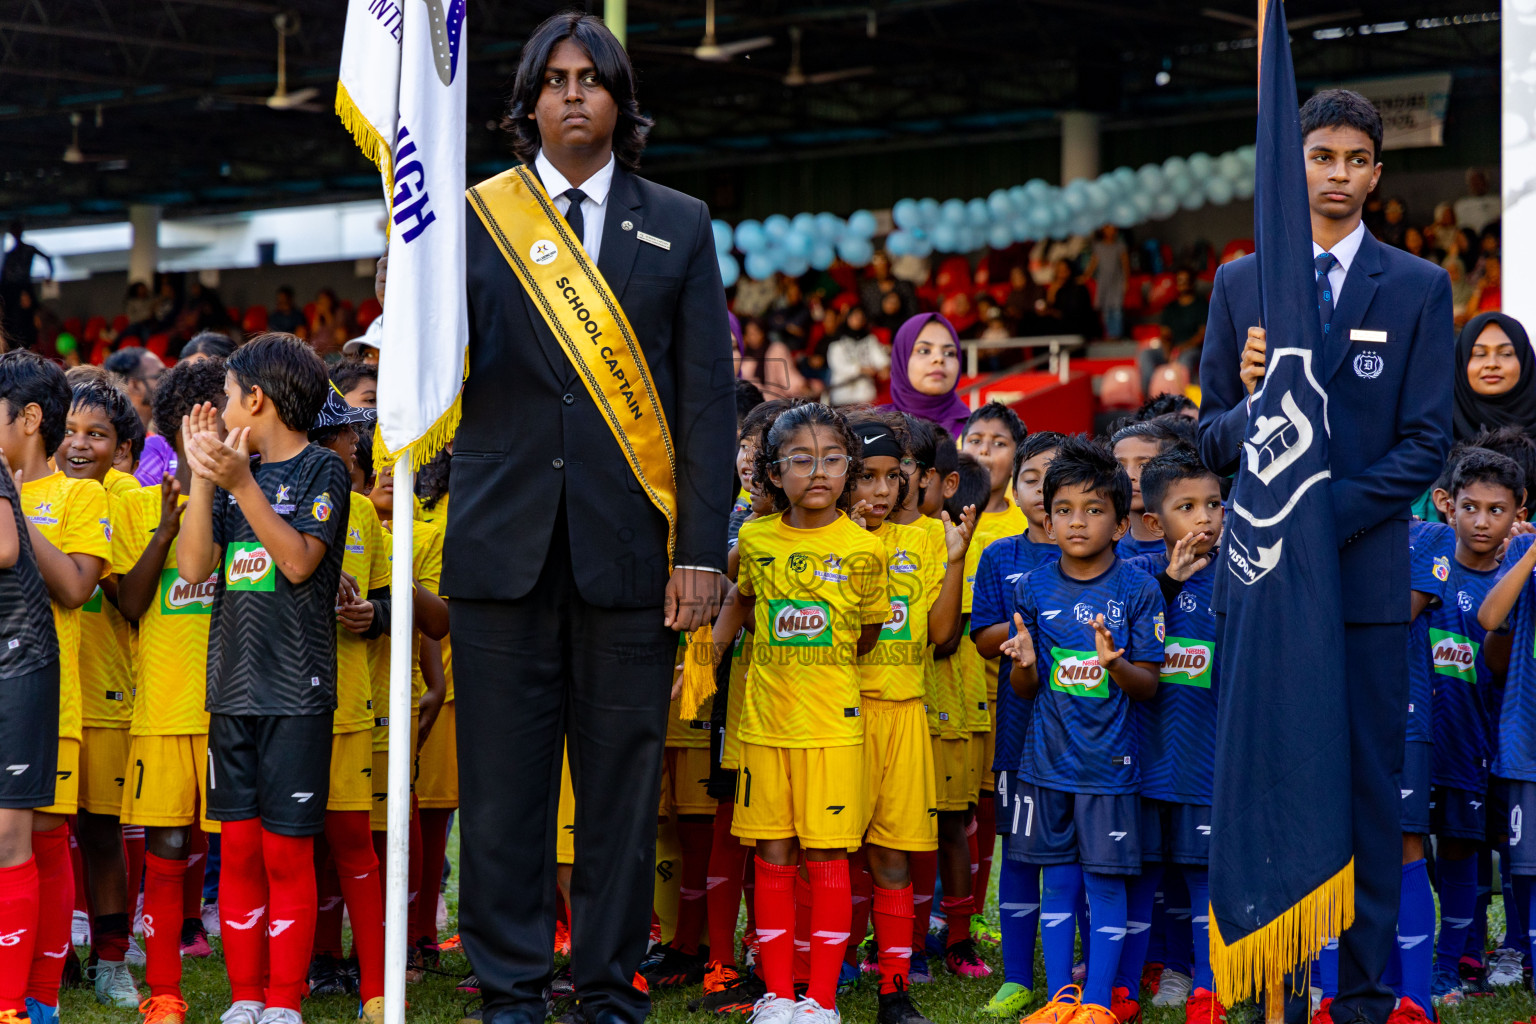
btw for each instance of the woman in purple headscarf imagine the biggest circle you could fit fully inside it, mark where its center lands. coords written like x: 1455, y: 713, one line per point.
x: 925, y: 366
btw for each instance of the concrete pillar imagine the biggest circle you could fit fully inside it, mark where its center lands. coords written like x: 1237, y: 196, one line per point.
x: 144, y: 256
x: 1079, y: 145
x: 616, y: 17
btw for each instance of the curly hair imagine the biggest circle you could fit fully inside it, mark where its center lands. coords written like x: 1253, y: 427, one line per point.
x: 614, y: 73
x: 433, y: 478
x: 183, y: 386
x: 805, y: 414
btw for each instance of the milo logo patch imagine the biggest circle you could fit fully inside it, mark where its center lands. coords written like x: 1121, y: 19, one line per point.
x: 1078, y: 673
x: 801, y: 623
x: 248, y: 566
x: 1188, y: 662
x: 1453, y: 655
x: 178, y: 597
x: 899, y: 625
x: 93, y: 604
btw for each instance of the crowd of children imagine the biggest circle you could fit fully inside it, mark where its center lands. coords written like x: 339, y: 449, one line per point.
x: 934, y: 647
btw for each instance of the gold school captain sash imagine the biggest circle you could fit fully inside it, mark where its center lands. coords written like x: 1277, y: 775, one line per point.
x: 586, y: 319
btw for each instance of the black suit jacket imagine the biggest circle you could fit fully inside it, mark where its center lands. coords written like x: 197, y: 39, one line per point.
x: 1389, y: 408
x: 530, y: 436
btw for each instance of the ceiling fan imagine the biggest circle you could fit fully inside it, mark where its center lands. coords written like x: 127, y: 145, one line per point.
x: 796, y: 77
x: 73, y: 154
x: 1252, y: 24
x: 710, y: 49
x: 287, y: 25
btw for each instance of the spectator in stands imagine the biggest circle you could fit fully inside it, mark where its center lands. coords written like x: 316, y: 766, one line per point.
x: 1477, y: 209
x: 962, y: 315
x: 1487, y: 296
x: 1394, y: 224
x: 365, y: 347
x: 769, y: 364
x: 881, y: 280
x: 788, y: 320
x: 211, y: 312
x: 18, y: 302
x: 1183, y: 328
x: 812, y: 360
x: 1025, y: 304
x: 1109, y: 265
x: 856, y: 361
x: 139, y: 306
x: 167, y: 303
x: 207, y: 345
x: 889, y: 317
x: 1497, y: 384
x: 1468, y: 249
x: 1441, y: 233
x: 139, y: 370
x: 1413, y: 243
x: 1068, y: 304
x: 1461, y: 287
x: 284, y: 315
x: 925, y: 369
x: 323, y: 319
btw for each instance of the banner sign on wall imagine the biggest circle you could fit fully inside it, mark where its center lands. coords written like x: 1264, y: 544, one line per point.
x: 1412, y: 107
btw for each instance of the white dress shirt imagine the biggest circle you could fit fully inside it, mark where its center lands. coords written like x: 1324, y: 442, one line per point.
x: 1344, y: 251
x: 593, y: 208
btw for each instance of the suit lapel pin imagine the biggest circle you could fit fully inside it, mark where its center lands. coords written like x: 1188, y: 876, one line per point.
x: 627, y: 225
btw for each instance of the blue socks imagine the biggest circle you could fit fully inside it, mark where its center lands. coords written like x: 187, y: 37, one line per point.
x: 1106, y: 914
x: 1063, y: 885
x: 1415, y: 935
x: 1180, y: 905
x: 1458, y: 905
x: 1199, y: 882
x: 1018, y: 908
x: 1140, y: 892
x: 1328, y: 969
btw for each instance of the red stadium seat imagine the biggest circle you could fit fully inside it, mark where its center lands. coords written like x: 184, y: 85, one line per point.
x: 93, y: 328
x: 1136, y: 292
x: 999, y: 292
x: 158, y: 343
x: 1236, y: 248
x: 1121, y: 388
x: 1160, y: 292
x: 1146, y: 334
x: 1168, y: 379
x: 845, y: 301
x: 72, y: 326
x: 99, y: 353
x: 367, y: 312
x: 846, y: 277
x: 954, y: 276
x: 255, y: 320
x: 884, y: 334
x: 119, y: 324
x: 234, y: 313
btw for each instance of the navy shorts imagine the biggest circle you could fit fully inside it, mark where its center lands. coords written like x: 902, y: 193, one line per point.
x: 1458, y: 814
x: 1009, y: 808
x: 1522, y: 847
x: 1100, y: 832
x: 1497, y: 812
x: 1413, y: 784
x: 273, y: 767
x: 1173, y: 833
x: 29, y: 738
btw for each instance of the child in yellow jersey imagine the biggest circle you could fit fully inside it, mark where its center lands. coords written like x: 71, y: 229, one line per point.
x: 102, y: 424
x: 68, y: 528
x: 350, y: 874
x: 813, y: 584
x: 166, y: 782
x: 924, y: 578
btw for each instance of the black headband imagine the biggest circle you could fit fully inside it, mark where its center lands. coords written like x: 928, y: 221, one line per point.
x: 878, y: 440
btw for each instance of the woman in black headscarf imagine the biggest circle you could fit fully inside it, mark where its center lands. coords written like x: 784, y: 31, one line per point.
x: 1495, y: 384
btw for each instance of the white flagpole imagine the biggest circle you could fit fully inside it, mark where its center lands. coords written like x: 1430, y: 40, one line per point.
x: 401, y: 589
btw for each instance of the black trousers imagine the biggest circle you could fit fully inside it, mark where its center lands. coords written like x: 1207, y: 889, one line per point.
x: 531, y: 675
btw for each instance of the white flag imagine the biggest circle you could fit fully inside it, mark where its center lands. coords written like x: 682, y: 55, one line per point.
x: 401, y: 94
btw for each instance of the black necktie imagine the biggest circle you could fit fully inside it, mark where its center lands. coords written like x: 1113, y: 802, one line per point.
x: 573, y: 215
x: 1324, y: 263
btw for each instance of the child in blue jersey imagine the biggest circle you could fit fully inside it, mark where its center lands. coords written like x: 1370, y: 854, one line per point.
x: 1487, y: 490
x: 1178, y: 725
x: 1000, y: 567
x: 1133, y: 444
x: 1089, y: 642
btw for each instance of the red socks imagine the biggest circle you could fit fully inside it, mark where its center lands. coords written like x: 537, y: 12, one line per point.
x: 18, y: 932
x: 831, y: 914
x: 863, y: 887
x: 924, y: 868
x: 197, y: 864
x: 109, y: 936
x: 162, y: 924
x: 957, y: 912
x: 328, y: 900
x: 986, y: 845
x: 55, y: 909
x: 243, y: 909
x: 727, y: 867
x: 434, y: 850
x: 357, y: 868
x: 696, y: 835
x: 802, y: 930
x: 258, y: 867
x: 775, y: 899
x: 133, y: 859
x: 893, y: 926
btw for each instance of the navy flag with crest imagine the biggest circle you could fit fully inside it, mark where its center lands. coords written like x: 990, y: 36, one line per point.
x: 1282, y: 881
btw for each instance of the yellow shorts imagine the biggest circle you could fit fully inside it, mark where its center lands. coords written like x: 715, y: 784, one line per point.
x: 898, y: 769
x: 953, y: 770
x: 351, y: 772
x: 983, y: 746
x: 103, y: 765
x: 66, y: 787
x: 684, y: 782
x: 565, y: 820
x: 378, y: 810
x: 437, y: 780
x: 816, y: 795
x: 167, y: 785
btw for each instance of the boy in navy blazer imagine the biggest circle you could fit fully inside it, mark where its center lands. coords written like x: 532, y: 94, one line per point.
x: 1387, y: 365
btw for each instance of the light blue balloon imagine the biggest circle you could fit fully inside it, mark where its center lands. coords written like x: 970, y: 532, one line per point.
x: 1126, y: 178
x: 776, y: 227
x: 1249, y: 155
x: 999, y: 205
x: 1242, y: 188
x: 1193, y: 199
x: 761, y: 265
x: 723, y: 236
x: 1201, y: 165
x: 822, y: 255
x: 1151, y: 178
x: 856, y: 251
x: 1075, y: 198
x: 907, y: 214
x: 1229, y: 166
x: 750, y: 237
x: 794, y: 266
x: 1124, y: 214
x: 1098, y: 198
x: 1218, y: 190
x: 1040, y: 219
x: 1164, y: 205
x: 798, y: 244
x: 945, y: 237
x: 829, y: 227
x: 1019, y: 197
x: 1037, y: 187
x: 1000, y: 235
x: 862, y: 224
x: 952, y: 212
x: 929, y: 208
x: 1179, y: 185
x: 1143, y: 201
x: 900, y: 243
x: 805, y: 223
x: 977, y: 214
x: 1109, y: 186
x: 1021, y: 231
x: 730, y: 270
x: 1175, y: 166
x: 922, y: 245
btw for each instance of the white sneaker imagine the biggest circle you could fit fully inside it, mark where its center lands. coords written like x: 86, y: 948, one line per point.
x: 115, y: 986
x: 809, y: 1011
x: 770, y: 1009
x: 138, y: 916
x: 1506, y: 967
x: 246, y: 1011
x: 1173, y: 989
x: 280, y: 1015
x: 210, y: 915
x: 135, y: 953
x: 80, y: 928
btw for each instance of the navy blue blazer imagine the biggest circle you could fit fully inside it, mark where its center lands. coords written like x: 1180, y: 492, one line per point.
x: 1389, y: 408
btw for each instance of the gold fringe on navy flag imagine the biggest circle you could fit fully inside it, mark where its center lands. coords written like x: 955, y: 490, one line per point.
x: 1281, y: 868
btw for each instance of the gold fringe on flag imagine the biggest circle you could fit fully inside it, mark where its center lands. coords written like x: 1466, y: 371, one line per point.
x: 698, y: 673
x: 1258, y: 962
x: 368, y: 138
x: 425, y: 447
